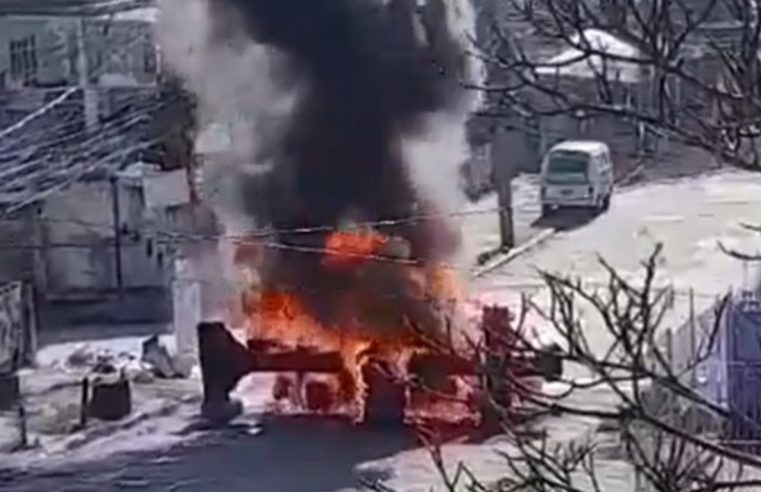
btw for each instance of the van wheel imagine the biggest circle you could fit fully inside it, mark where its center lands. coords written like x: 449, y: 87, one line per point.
x: 606, y: 202
x: 546, y: 210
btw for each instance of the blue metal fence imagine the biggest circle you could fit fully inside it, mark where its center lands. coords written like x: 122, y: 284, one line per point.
x: 743, y: 369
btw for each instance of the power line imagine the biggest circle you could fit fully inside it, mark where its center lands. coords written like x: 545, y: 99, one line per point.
x: 522, y: 285
x: 269, y: 232
x: 178, y: 237
x: 174, y: 238
x: 73, y: 120
x: 36, y: 114
x: 24, y: 165
x: 77, y: 176
x: 67, y: 93
x: 116, y: 125
x: 110, y: 140
x: 91, y: 150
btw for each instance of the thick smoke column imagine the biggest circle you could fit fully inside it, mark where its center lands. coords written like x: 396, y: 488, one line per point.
x: 364, y: 81
x: 342, y: 114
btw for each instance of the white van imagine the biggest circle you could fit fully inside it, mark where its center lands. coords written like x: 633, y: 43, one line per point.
x: 576, y: 174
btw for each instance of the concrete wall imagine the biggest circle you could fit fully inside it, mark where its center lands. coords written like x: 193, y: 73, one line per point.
x: 514, y: 150
x: 16, y: 327
x: 54, y: 42
x: 80, y: 255
x: 17, y: 242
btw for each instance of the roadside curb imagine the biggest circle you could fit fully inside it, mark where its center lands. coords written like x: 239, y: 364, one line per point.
x: 633, y: 177
x: 514, y: 253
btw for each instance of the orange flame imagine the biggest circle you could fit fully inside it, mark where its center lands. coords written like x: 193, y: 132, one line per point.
x: 347, y: 248
x: 282, y: 317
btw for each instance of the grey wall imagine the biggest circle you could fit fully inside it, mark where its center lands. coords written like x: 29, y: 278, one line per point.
x: 119, y: 52
x: 17, y: 241
x: 80, y: 237
x: 54, y: 42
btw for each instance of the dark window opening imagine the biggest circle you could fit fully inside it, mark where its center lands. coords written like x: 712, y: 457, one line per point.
x: 566, y: 167
x: 24, y: 62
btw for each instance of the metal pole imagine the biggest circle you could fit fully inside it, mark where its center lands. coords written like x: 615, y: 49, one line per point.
x: 23, y: 427
x: 40, y: 270
x: 503, y: 174
x: 89, y: 94
x: 693, y: 340
x: 31, y: 320
x: 505, y: 200
x: 40, y: 255
x: 117, y: 233
x: 85, y: 401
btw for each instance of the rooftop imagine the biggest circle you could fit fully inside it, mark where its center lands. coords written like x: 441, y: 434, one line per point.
x: 586, y: 146
x: 595, y: 53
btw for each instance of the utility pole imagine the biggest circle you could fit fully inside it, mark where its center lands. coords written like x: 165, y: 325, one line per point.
x: 503, y: 168
x: 89, y: 94
x: 117, y: 219
x: 693, y: 341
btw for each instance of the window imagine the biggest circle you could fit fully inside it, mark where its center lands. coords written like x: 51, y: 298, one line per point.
x: 567, y: 167
x: 24, y: 62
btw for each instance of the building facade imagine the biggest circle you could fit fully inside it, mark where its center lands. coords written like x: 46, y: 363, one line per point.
x: 106, y: 53
x: 80, y: 142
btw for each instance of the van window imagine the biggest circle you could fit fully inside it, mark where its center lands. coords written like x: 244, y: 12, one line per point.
x: 567, y: 167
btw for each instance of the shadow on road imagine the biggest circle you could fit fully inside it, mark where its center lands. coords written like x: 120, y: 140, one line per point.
x: 566, y: 219
x: 307, y: 455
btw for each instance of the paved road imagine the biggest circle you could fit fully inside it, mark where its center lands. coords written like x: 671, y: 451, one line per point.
x: 690, y: 216
x: 288, y: 456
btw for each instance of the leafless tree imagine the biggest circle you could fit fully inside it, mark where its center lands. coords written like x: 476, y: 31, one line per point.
x: 684, y: 72
x: 653, y: 422
x: 672, y: 436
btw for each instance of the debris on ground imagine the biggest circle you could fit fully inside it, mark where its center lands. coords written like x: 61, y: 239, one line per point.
x: 164, y: 365
x: 124, y: 394
x: 83, y: 356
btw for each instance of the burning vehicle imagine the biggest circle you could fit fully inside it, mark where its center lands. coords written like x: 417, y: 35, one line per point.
x: 357, y: 305
x: 425, y: 359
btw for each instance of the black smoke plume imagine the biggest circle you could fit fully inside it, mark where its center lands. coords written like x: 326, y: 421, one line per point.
x: 365, y: 79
